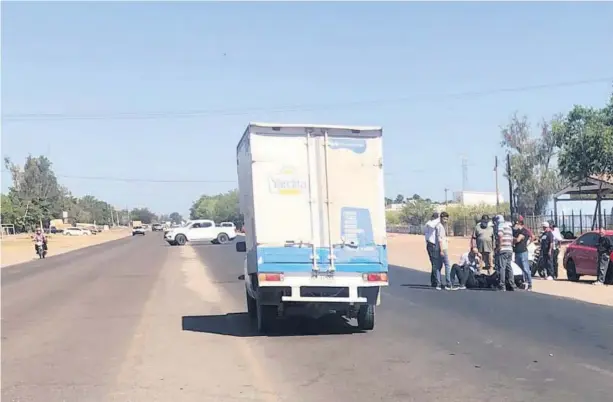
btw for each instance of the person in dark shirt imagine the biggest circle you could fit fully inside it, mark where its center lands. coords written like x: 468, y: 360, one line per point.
x: 521, y: 236
x: 546, y: 241
x: 605, y: 248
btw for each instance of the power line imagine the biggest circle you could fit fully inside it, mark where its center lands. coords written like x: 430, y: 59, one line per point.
x: 290, y: 108
x: 140, y: 180
x: 134, y: 180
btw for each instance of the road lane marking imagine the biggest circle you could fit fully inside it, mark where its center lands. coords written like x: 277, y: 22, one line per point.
x: 597, y: 369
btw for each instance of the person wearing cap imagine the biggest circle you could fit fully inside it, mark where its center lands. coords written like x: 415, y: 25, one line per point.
x: 557, y: 241
x: 504, y: 254
x: 483, y: 240
x: 531, y: 237
x: 521, y: 237
x: 546, y: 255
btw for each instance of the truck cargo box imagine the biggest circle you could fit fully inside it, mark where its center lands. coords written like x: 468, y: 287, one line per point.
x: 309, y: 190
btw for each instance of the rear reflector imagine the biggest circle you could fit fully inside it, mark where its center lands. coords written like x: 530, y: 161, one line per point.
x: 375, y: 277
x: 270, y: 277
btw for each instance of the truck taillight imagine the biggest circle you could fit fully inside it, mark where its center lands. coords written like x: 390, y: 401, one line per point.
x: 375, y: 277
x: 270, y: 277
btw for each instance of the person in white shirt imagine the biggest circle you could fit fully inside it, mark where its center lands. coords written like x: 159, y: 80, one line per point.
x: 467, y: 268
x: 557, y: 239
x: 431, y: 245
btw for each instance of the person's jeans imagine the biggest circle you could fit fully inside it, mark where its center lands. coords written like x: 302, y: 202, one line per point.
x: 503, y: 261
x: 435, y: 256
x: 444, y: 259
x: 547, y: 261
x: 464, y: 275
x: 603, y: 265
x: 437, y: 260
x: 521, y: 259
x: 487, y: 259
x: 556, y: 254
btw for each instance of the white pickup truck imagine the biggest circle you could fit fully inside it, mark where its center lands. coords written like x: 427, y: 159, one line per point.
x: 199, y: 230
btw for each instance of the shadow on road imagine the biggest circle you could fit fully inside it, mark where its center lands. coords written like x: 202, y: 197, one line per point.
x: 417, y: 286
x: 240, y: 325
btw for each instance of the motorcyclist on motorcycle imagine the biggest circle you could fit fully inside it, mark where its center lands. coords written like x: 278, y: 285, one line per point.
x: 39, y: 236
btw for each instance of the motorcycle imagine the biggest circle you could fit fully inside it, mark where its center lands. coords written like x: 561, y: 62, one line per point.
x: 534, y: 259
x: 40, y: 249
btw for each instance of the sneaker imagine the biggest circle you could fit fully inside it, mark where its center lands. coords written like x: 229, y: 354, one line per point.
x: 550, y: 278
x: 526, y: 286
x: 598, y: 283
x: 529, y: 289
x: 462, y: 288
x: 447, y: 287
x: 438, y: 288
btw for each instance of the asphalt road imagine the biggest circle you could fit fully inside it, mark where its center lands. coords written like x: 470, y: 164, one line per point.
x: 136, y: 320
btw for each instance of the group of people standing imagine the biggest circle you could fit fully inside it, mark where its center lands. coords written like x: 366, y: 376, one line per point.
x: 497, y: 243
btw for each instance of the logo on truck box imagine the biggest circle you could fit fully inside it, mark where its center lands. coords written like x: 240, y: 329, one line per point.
x: 287, y: 182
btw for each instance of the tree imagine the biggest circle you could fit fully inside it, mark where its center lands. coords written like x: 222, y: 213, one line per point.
x: 416, y: 197
x: 585, y: 139
x: 534, y: 177
x: 175, y: 217
x: 388, y: 201
x: 35, y: 194
x: 220, y: 208
x: 7, y: 211
x: 417, y: 212
x: 393, y: 218
x: 143, y: 215
x: 399, y: 199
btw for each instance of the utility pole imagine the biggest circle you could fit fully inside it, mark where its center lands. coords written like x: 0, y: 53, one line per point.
x: 497, y: 190
x: 464, y: 173
x: 446, y: 189
x: 512, y: 206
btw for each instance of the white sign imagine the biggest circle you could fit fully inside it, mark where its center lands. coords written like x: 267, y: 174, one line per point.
x: 64, y: 214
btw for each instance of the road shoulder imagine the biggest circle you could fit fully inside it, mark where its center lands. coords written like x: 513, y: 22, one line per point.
x: 409, y: 251
x: 21, y: 250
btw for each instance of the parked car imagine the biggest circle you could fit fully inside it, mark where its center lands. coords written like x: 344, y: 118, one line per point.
x: 581, y: 257
x: 138, y: 230
x: 74, y: 232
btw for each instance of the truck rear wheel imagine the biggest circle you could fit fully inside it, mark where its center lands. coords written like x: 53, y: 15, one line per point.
x: 266, y: 317
x: 366, y: 317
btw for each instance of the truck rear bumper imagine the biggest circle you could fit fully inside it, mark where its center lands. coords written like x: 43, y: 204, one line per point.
x: 341, y: 288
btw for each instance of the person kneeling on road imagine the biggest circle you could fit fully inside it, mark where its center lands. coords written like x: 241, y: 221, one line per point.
x: 467, y: 273
x: 467, y: 269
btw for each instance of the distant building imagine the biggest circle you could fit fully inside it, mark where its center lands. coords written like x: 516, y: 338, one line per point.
x: 394, y: 207
x: 476, y: 198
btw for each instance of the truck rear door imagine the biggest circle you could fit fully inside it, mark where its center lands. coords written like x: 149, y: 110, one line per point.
x: 316, y: 193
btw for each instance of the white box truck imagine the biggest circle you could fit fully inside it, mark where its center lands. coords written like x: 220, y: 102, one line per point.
x: 312, y: 197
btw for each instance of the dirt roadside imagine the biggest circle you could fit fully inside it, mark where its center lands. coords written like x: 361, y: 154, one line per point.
x: 18, y: 249
x: 409, y: 251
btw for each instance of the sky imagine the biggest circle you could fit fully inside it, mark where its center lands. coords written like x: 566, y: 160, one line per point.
x: 168, y: 88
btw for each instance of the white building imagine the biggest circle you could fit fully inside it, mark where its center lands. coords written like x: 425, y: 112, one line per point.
x: 394, y: 207
x: 476, y: 198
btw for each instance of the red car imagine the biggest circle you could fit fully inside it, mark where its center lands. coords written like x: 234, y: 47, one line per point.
x: 581, y: 257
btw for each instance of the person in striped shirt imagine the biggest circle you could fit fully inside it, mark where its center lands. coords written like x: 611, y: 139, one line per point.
x: 504, y: 254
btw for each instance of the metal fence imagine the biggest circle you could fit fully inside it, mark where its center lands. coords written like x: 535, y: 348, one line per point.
x: 576, y: 224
